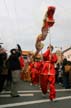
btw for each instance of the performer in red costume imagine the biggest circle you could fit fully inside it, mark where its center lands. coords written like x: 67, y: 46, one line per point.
x: 22, y: 64
x: 34, y: 69
x: 48, y: 73
x: 21, y: 59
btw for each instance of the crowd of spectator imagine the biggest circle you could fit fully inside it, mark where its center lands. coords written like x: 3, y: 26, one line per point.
x: 12, y: 66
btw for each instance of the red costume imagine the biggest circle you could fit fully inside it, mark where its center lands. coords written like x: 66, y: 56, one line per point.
x: 48, y: 74
x: 34, y: 69
x: 21, y: 59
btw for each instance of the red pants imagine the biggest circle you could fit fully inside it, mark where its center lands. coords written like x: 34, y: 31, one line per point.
x: 44, y: 80
x: 35, y: 78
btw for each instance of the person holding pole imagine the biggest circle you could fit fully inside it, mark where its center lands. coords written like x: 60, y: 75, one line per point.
x: 48, y: 72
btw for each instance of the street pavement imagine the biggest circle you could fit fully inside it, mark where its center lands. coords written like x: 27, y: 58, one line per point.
x: 31, y: 97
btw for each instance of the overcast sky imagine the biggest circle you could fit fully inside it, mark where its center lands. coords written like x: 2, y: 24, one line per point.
x: 21, y: 22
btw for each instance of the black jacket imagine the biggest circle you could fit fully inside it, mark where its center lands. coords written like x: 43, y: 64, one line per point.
x: 14, y: 63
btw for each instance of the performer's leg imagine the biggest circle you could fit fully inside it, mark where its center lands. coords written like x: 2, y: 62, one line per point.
x: 43, y: 83
x: 52, y: 94
x: 33, y: 78
x: 37, y: 77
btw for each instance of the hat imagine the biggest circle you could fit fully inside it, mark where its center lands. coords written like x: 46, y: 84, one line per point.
x: 12, y: 50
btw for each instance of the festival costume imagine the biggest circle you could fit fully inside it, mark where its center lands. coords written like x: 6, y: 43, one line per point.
x: 34, y: 69
x: 21, y: 59
x: 48, y: 74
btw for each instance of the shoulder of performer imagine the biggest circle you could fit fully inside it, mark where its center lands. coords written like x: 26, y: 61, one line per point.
x: 54, y: 58
x: 46, y: 54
